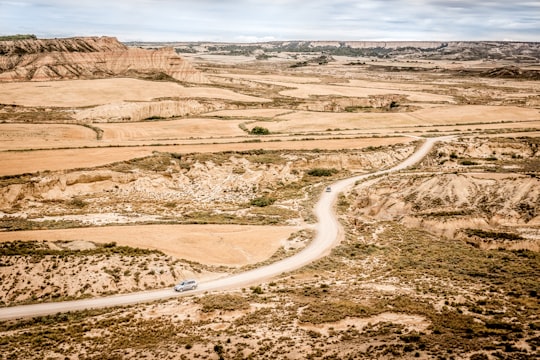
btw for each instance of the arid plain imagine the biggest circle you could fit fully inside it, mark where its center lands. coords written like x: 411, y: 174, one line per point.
x: 136, y: 173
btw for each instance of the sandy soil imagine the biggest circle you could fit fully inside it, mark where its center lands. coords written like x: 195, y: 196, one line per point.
x: 231, y: 245
x: 415, y: 322
x: 175, y: 129
x: 29, y: 162
x: 251, y: 112
x: 305, y: 91
x: 304, y: 87
x: 276, y: 78
x: 13, y: 136
x: 442, y: 115
x: 199, y: 130
x: 79, y: 93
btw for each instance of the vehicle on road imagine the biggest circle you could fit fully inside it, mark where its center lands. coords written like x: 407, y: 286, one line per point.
x: 328, y: 189
x: 186, y: 285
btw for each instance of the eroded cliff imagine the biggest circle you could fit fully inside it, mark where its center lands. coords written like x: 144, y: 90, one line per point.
x: 88, y: 58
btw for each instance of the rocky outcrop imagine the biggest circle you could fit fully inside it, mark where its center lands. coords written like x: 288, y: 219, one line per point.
x: 137, y: 111
x: 512, y: 72
x: 89, y: 58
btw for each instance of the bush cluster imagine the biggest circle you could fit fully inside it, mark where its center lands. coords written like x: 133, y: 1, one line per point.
x: 262, y: 201
x: 321, y: 172
x: 259, y: 130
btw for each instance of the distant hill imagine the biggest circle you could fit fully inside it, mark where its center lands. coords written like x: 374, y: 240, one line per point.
x: 454, y: 50
x: 17, y: 37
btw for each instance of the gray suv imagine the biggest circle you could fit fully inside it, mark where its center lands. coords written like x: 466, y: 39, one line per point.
x: 186, y: 285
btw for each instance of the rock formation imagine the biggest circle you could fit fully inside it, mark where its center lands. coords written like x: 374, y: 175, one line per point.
x: 88, y: 58
x: 138, y: 111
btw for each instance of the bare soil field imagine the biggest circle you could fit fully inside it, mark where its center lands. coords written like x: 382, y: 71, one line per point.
x: 24, y: 136
x: 170, y: 130
x: 52, y: 160
x: 81, y: 93
x: 228, y: 245
x: 443, y: 115
x: 440, y: 260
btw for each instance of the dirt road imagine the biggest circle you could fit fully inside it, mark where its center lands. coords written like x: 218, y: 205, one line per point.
x: 328, y: 235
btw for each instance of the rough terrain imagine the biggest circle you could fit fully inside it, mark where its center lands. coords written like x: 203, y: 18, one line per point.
x: 102, y: 179
x: 87, y: 58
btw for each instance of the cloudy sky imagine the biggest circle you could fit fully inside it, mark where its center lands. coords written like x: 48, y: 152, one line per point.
x: 265, y: 20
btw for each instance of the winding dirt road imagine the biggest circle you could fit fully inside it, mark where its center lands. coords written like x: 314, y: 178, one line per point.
x: 328, y: 235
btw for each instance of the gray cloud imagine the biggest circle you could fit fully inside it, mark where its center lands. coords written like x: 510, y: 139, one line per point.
x: 241, y: 20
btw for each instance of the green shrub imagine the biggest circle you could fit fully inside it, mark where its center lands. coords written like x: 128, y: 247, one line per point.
x: 262, y: 201
x: 321, y: 172
x: 331, y: 311
x: 80, y: 203
x: 259, y: 130
x: 492, y: 234
x: 257, y: 290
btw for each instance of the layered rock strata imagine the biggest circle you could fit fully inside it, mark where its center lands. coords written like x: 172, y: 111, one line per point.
x: 89, y: 58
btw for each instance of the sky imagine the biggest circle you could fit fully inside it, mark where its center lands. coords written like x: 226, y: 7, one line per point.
x: 268, y: 20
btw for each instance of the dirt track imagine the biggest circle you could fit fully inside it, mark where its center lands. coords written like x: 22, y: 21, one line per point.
x: 328, y: 235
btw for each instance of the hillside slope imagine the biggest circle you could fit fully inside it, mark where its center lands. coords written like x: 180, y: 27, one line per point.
x: 88, y: 58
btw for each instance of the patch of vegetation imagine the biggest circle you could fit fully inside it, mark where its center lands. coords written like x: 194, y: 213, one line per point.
x: 449, y: 213
x: 7, y: 180
x: 332, y: 311
x: 257, y: 290
x: 15, y: 224
x: 322, y: 172
x: 18, y: 37
x: 262, y: 201
x: 357, y: 108
x: 40, y: 248
x: 259, y: 130
x: 77, y: 202
x: 225, y: 302
x: 495, y: 235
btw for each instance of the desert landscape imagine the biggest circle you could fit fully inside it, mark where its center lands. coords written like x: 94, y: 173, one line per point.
x: 129, y: 167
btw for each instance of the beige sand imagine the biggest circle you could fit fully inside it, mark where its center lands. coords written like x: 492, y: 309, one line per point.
x: 233, y: 245
x: 17, y: 136
x: 174, y: 129
x: 41, y: 160
x: 440, y: 115
x: 79, y: 93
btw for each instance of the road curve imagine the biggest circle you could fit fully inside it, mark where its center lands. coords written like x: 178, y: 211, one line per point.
x: 328, y: 235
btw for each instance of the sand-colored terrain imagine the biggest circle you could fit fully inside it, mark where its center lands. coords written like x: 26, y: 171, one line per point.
x: 167, y: 130
x: 230, y: 245
x: 80, y: 93
x: 436, y: 260
x: 443, y: 115
x: 39, y: 136
x: 42, y: 160
x: 304, y: 91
